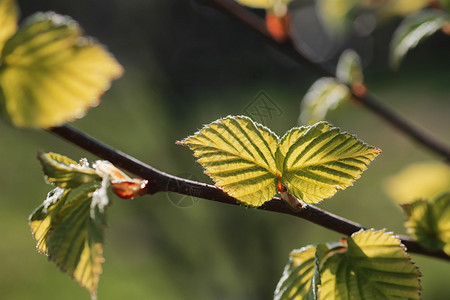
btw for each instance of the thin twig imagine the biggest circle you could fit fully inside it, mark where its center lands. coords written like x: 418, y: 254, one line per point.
x: 163, y: 182
x: 369, y: 100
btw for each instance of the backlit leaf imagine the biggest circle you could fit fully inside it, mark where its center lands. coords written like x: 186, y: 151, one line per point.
x: 317, y: 161
x: 349, y: 68
x: 424, y: 180
x: 267, y: 4
x: 8, y: 21
x: 324, y: 95
x: 51, y: 74
x: 301, y: 275
x: 239, y: 155
x: 429, y: 222
x: 67, y: 173
x: 337, y: 15
x: 70, y: 232
x: 392, y: 8
x: 413, y: 30
x: 375, y: 266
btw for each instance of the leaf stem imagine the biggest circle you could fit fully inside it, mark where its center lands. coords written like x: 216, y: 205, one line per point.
x: 368, y: 100
x: 163, y: 182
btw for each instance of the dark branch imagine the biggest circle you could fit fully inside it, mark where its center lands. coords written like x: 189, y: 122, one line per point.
x: 162, y: 182
x: 368, y: 100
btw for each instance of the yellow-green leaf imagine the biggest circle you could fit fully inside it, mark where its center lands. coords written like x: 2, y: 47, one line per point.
x: 349, y: 68
x: 8, y: 21
x: 51, y: 74
x: 337, y: 15
x: 375, y: 266
x: 413, y: 30
x: 239, y: 155
x: 424, y: 180
x: 70, y: 232
x: 324, y: 95
x: 67, y: 173
x: 429, y: 222
x: 317, y: 161
x: 267, y: 4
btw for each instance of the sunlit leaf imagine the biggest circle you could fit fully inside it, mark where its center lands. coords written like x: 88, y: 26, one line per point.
x: 317, y: 161
x: 67, y: 173
x: 70, y: 232
x: 51, y: 74
x: 301, y: 275
x: 8, y: 20
x: 392, y: 8
x: 424, y: 180
x: 349, y: 68
x: 375, y: 266
x: 429, y: 222
x: 413, y: 30
x: 239, y: 155
x: 337, y: 15
x: 324, y: 95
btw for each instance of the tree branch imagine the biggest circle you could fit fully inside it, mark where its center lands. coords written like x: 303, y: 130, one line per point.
x: 369, y: 100
x: 163, y: 182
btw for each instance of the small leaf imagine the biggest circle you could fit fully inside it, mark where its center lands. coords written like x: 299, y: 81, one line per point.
x: 8, y: 20
x: 51, y: 74
x: 317, y: 161
x: 349, y: 68
x: 301, y: 276
x: 239, y: 155
x: 337, y: 15
x: 375, y: 266
x: 67, y: 173
x: 324, y: 95
x: 412, y: 31
x: 429, y: 222
x: 72, y: 236
x: 267, y: 4
x: 424, y: 180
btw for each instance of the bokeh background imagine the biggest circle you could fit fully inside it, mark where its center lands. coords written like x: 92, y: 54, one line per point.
x: 187, y: 65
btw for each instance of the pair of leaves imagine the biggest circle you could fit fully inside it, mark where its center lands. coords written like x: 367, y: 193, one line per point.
x: 328, y: 93
x: 368, y: 265
x: 69, y: 225
x: 248, y: 161
x: 49, y: 72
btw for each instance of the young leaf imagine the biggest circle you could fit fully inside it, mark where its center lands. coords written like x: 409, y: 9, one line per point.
x: 51, y: 74
x: 301, y: 275
x: 424, y: 180
x: 429, y: 222
x: 324, y: 95
x: 8, y: 20
x: 336, y: 15
x: 67, y: 173
x: 267, y: 4
x: 375, y: 266
x: 349, y: 68
x: 239, y: 155
x: 413, y: 30
x: 71, y: 236
x: 317, y: 161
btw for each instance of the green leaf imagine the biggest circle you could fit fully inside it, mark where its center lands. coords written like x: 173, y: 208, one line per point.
x: 413, y: 30
x: 67, y: 173
x: 51, y: 74
x: 317, y: 161
x: 301, y: 275
x: 337, y: 15
x: 445, y: 4
x: 424, y: 180
x: 267, y: 4
x: 429, y: 222
x: 8, y: 20
x: 239, y: 155
x: 375, y: 266
x: 69, y: 230
x: 349, y: 68
x: 324, y: 95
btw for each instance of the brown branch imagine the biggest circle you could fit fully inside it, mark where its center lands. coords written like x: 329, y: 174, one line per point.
x: 368, y: 100
x: 163, y: 182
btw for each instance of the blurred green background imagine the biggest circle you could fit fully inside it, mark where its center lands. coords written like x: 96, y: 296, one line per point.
x: 187, y: 65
